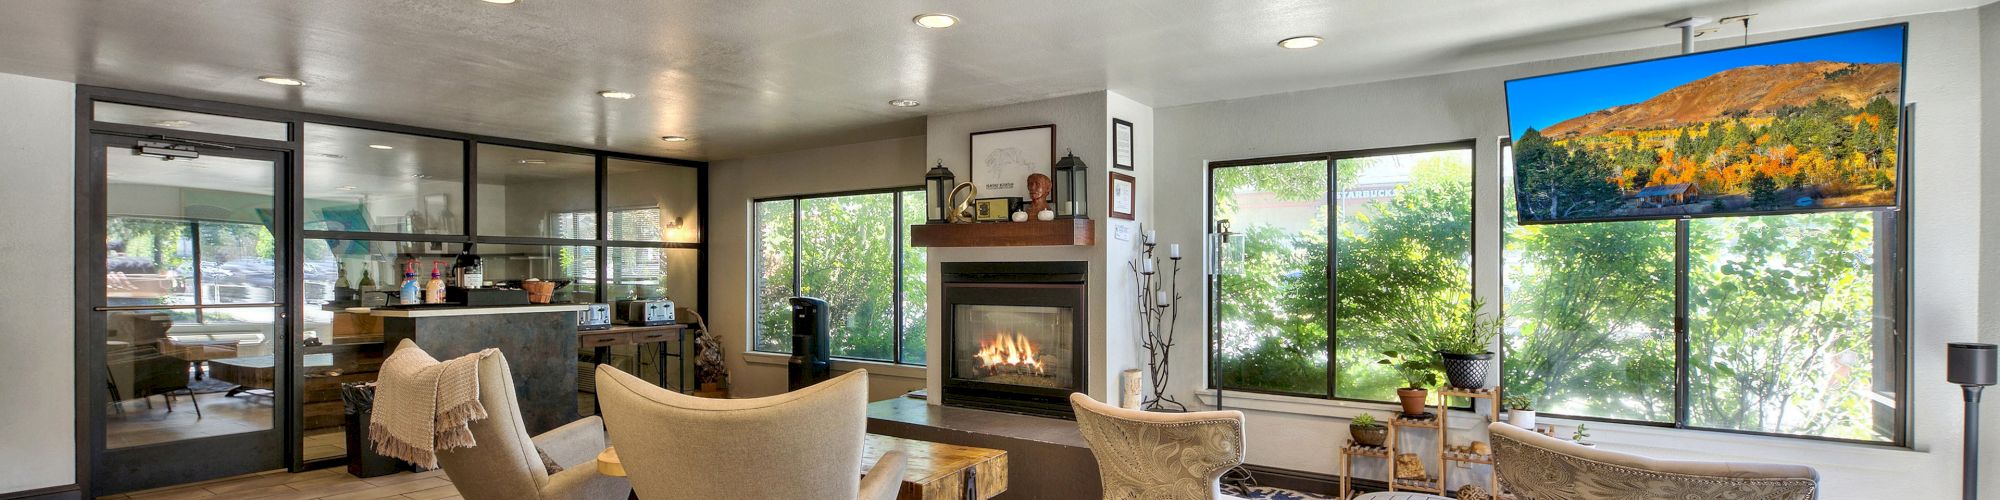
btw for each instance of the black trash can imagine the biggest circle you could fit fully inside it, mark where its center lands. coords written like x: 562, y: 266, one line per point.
x: 362, y: 461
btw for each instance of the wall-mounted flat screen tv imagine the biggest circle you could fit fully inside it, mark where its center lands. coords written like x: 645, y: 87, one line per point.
x: 1801, y: 125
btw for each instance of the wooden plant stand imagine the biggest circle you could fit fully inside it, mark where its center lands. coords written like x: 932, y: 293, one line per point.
x: 1442, y: 454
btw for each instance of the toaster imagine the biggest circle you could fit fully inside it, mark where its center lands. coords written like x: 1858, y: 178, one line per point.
x: 594, y: 317
x: 653, y: 312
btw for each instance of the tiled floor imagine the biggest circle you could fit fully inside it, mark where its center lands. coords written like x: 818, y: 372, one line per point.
x: 323, y: 484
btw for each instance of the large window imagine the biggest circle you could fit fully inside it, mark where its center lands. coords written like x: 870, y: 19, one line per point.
x: 1788, y: 322
x: 852, y: 251
x: 1289, y: 319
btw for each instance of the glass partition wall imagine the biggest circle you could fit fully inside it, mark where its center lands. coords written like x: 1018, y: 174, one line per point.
x: 257, y: 248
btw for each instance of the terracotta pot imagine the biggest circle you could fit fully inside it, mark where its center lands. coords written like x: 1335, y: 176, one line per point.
x: 1372, y: 435
x: 1413, y: 400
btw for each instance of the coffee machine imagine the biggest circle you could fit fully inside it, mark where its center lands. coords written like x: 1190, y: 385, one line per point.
x: 810, y: 363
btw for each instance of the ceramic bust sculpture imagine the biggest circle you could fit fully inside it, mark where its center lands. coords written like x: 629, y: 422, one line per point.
x: 1038, y: 192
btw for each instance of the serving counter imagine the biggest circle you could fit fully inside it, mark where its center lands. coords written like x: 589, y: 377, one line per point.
x: 540, y: 342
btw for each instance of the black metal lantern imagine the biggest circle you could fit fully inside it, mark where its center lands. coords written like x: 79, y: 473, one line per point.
x: 937, y: 186
x: 1072, y: 187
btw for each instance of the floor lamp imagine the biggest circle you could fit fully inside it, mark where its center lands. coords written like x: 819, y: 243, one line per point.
x: 1972, y: 367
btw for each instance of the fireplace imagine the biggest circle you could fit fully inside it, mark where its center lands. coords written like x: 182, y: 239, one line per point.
x: 1014, y: 335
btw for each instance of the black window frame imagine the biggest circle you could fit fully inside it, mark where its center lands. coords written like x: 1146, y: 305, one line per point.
x: 292, y: 236
x: 1332, y: 159
x: 898, y: 227
x: 1897, y: 219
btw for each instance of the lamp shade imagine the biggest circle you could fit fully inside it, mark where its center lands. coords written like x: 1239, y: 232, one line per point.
x: 1972, y: 364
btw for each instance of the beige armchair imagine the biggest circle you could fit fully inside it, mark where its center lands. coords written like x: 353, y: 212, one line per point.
x: 806, y: 444
x: 504, y: 465
x: 1165, y: 456
x: 1537, y: 467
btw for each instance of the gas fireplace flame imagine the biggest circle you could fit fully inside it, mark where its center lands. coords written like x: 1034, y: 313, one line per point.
x: 1009, y: 353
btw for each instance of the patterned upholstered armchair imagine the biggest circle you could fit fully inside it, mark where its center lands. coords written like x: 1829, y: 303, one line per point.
x: 1163, y: 456
x: 1538, y: 467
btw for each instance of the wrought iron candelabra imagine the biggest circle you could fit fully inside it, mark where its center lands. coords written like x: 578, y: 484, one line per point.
x: 1159, y: 305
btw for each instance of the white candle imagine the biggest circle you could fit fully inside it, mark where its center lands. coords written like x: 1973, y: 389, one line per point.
x: 1174, y: 251
x: 1146, y: 266
x: 1163, y: 300
x: 1149, y: 237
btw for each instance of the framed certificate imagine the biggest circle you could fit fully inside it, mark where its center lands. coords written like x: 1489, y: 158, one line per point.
x: 1003, y: 159
x: 1124, y: 196
x: 1122, y: 144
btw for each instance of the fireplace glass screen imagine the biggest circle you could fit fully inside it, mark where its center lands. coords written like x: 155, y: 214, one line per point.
x: 1014, y: 345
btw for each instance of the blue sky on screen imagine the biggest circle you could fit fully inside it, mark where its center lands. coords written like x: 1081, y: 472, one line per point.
x: 1547, y: 100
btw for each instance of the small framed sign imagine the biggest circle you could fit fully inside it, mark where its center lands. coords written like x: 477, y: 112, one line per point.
x: 1122, y: 144
x: 994, y: 209
x: 1124, y: 196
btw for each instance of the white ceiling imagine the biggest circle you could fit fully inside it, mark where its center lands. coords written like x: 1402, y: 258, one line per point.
x: 755, y: 76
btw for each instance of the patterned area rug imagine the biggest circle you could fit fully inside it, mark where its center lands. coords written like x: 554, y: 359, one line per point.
x: 1267, y: 492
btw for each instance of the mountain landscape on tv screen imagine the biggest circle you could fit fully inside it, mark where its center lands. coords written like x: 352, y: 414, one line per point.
x: 1758, y: 138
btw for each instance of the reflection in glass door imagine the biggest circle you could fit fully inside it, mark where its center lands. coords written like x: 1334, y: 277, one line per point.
x: 190, y: 321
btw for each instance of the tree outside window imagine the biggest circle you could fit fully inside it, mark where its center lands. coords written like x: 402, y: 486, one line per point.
x: 1402, y: 225
x: 850, y: 250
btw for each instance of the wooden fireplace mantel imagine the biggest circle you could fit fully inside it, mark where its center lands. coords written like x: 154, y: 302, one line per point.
x: 1059, y: 232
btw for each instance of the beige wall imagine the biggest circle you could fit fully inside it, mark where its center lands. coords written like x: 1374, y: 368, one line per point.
x: 733, y: 184
x: 37, y: 307
x: 1083, y: 126
x: 1989, y: 127
x: 1944, y: 79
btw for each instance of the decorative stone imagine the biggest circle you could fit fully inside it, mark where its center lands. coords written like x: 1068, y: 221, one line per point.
x: 1408, y: 466
x: 1472, y: 492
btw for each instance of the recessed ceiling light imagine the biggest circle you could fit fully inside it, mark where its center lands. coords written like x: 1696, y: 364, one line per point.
x: 905, y: 103
x: 613, y: 94
x: 281, y: 80
x: 1300, y: 42
x: 173, y: 123
x: 347, y: 188
x: 381, y: 146
x: 673, y: 138
x: 936, y: 21
x: 421, y: 176
x: 503, y: 2
x: 533, y: 162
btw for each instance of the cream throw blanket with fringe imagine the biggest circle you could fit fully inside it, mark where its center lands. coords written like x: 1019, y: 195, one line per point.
x: 423, y: 406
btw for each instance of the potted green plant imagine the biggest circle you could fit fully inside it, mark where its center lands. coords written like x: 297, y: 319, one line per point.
x: 1463, y: 337
x: 1419, y: 373
x: 1520, y: 412
x: 1366, y: 431
x: 1450, y: 324
x: 1582, y: 436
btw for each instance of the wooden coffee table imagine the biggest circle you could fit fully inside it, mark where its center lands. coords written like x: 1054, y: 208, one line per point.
x: 936, y: 471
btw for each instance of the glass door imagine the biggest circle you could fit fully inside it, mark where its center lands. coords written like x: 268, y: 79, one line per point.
x: 188, y: 337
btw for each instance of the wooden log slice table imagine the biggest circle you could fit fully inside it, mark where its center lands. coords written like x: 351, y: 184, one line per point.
x: 936, y: 471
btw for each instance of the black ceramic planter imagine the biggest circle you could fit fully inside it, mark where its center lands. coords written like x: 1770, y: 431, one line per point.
x: 1466, y: 371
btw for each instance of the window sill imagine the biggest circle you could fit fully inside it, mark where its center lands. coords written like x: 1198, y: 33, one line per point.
x: 1672, y: 442
x: 1344, y: 410
x: 873, y: 367
x: 1662, y: 442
